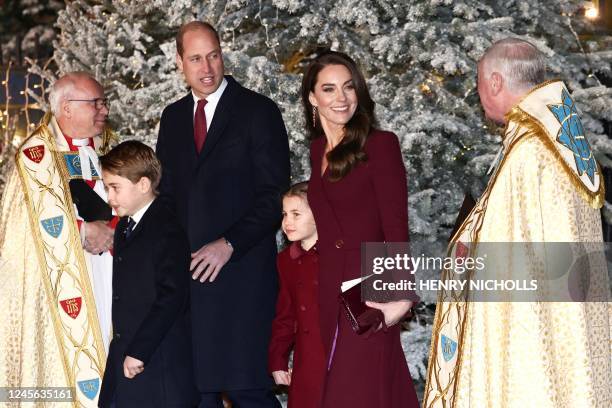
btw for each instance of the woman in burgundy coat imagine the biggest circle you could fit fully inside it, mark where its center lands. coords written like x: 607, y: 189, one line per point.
x: 358, y: 193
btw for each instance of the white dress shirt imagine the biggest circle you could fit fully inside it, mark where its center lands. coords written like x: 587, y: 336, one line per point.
x: 212, y: 101
x: 139, y: 214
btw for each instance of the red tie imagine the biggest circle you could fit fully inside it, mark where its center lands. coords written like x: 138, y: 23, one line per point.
x: 199, y: 126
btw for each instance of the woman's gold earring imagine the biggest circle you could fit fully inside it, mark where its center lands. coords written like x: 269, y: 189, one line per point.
x: 314, y: 116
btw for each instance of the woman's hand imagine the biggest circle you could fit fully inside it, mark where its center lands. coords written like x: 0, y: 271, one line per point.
x: 393, y: 311
x: 282, y: 377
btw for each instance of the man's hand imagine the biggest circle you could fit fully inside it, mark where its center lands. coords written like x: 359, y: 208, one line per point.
x: 207, y: 261
x: 393, y: 311
x: 132, y: 367
x: 98, y: 237
x: 282, y: 377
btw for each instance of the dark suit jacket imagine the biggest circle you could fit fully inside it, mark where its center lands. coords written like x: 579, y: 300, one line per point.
x: 150, y: 314
x: 232, y: 189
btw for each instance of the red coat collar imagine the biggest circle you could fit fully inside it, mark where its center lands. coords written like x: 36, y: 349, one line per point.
x: 296, y: 251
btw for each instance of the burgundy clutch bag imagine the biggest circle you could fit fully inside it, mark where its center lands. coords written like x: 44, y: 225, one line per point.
x: 361, y: 317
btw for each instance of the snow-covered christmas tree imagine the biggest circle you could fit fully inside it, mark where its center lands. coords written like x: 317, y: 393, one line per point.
x: 26, y: 29
x: 419, y: 57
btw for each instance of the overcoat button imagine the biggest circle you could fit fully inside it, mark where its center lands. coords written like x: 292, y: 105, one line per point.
x: 339, y: 243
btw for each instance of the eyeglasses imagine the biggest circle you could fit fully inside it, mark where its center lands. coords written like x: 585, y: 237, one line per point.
x: 99, y: 103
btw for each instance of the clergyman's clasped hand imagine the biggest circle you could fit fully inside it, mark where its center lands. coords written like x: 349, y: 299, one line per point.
x: 98, y: 237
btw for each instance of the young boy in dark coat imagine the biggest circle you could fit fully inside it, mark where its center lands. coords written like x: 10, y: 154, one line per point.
x: 149, y: 360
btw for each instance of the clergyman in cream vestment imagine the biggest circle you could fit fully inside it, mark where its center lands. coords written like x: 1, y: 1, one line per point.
x: 54, y: 296
x: 547, y: 187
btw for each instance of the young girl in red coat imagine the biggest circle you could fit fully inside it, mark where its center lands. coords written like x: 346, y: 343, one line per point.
x: 296, y: 324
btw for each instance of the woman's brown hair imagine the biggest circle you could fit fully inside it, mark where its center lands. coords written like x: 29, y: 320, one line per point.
x: 350, y: 151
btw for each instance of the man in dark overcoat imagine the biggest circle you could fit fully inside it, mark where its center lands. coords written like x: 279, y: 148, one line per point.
x: 225, y: 163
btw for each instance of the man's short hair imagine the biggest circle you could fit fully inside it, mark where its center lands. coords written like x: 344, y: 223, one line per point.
x: 521, y: 63
x: 62, y: 88
x: 193, y: 26
x: 133, y: 160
